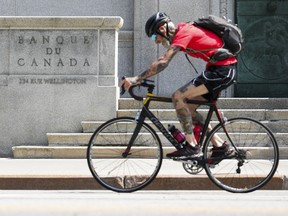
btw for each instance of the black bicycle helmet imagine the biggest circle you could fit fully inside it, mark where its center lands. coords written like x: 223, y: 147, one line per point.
x: 154, y: 22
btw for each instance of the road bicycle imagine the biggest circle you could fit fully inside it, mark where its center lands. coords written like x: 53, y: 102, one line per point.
x: 125, y: 154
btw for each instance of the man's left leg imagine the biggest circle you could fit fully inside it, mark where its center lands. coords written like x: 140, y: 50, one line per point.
x: 183, y: 110
x: 184, y: 115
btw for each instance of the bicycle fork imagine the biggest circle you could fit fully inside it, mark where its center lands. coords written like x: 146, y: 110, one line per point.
x: 139, y: 122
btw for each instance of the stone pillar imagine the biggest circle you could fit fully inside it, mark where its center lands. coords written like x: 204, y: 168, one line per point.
x: 227, y: 10
x: 54, y: 73
x: 145, y: 52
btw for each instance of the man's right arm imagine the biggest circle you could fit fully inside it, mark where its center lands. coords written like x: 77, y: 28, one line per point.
x: 156, y: 67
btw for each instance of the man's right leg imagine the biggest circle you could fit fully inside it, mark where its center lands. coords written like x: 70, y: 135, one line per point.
x: 197, y: 118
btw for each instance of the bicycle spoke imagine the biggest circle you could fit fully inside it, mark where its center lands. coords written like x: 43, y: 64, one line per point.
x: 124, y: 172
x: 255, y: 158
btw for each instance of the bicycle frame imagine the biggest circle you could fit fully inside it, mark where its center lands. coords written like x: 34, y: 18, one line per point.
x: 146, y: 113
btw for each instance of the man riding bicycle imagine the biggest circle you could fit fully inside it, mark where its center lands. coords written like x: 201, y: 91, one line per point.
x: 216, y: 77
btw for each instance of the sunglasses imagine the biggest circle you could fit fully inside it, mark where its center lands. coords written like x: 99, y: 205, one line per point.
x: 154, y: 37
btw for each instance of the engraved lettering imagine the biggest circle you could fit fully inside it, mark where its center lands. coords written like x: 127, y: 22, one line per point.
x: 23, y: 81
x: 73, y: 39
x: 60, y: 63
x: 20, y: 40
x: 21, y: 62
x: 33, y: 81
x: 49, y: 51
x: 47, y: 62
x: 86, y: 63
x: 57, y: 51
x: 33, y: 40
x: 46, y: 39
x: 65, y: 81
x: 73, y: 62
x: 34, y: 63
x: 60, y: 39
x: 40, y: 81
x: 42, y: 51
x: 86, y: 40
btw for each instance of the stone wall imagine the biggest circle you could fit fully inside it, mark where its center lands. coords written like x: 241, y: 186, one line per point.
x: 55, y: 72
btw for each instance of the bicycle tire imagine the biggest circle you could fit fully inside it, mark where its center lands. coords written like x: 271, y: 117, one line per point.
x: 116, y: 172
x: 254, y: 159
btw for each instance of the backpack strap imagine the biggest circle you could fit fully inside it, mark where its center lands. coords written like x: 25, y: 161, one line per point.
x: 186, y: 55
x: 219, y: 55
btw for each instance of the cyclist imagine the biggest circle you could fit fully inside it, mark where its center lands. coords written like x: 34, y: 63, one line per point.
x: 217, y: 76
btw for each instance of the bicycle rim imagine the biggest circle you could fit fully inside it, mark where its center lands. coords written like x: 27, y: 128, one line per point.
x: 254, y: 158
x: 115, y: 171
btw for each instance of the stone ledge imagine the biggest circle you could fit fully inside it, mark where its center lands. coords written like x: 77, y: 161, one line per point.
x: 223, y: 103
x: 61, y: 22
x: 49, y: 152
x: 58, y: 152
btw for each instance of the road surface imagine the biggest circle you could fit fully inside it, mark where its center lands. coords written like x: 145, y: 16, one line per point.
x: 142, y: 203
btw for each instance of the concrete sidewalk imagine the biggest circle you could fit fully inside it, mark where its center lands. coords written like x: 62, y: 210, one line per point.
x: 74, y: 174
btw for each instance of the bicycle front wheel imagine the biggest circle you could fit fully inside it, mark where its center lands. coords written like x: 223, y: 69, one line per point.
x: 121, y: 168
x: 252, y: 160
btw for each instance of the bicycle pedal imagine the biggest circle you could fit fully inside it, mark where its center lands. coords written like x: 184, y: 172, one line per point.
x: 178, y: 159
x: 193, y: 157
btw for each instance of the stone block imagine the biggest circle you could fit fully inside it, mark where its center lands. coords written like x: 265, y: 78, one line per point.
x: 55, y: 72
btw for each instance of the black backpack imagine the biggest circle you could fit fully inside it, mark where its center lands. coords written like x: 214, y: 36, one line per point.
x: 229, y: 33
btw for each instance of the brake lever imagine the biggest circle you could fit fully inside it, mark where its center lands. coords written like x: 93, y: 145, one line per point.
x: 147, y: 80
x: 122, y: 89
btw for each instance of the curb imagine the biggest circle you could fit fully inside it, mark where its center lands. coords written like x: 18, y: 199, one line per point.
x: 199, y: 182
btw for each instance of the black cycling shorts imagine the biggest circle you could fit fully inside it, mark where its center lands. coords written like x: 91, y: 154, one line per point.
x: 216, y: 78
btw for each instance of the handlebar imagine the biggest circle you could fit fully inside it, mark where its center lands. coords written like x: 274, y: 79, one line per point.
x: 144, y: 83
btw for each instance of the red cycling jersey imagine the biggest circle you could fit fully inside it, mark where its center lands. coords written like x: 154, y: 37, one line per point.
x: 200, y: 43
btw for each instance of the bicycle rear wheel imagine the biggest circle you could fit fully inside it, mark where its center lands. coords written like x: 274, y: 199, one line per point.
x: 113, y: 166
x: 254, y: 158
